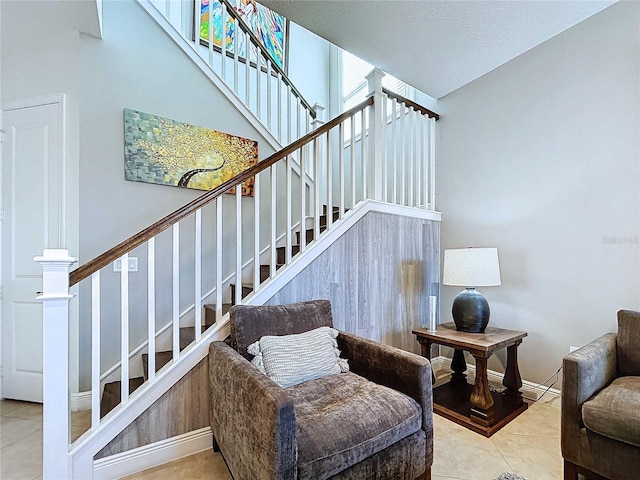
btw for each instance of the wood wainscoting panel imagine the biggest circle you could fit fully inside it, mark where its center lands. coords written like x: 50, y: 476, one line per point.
x: 378, y: 276
x: 182, y: 409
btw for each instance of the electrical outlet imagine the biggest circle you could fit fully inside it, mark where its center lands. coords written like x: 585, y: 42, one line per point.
x: 572, y: 348
x: 133, y: 265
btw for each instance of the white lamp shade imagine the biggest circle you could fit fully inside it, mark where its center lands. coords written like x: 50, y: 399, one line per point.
x: 471, y: 267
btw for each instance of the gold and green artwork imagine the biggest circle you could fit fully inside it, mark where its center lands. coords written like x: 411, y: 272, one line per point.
x: 166, y: 152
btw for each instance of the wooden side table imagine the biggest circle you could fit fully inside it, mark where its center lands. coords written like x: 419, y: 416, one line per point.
x: 476, y: 406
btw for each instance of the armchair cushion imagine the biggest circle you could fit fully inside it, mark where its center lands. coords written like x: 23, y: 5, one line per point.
x: 614, y: 412
x: 292, y: 359
x: 371, y: 417
x: 629, y: 342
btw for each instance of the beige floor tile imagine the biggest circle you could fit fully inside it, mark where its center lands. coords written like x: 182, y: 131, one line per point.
x: 552, y: 400
x: 536, y: 458
x: 23, y: 459
x: 15, y: 429
x: 80, y: 423
x: 461, y: 453
x: 538, y: 420
x: 25, y: 410
x: 204, y: 465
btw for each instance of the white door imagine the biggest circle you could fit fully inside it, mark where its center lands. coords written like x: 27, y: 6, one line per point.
x: 33, y: 219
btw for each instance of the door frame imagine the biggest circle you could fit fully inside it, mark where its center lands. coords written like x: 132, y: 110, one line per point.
x: 68, y: 195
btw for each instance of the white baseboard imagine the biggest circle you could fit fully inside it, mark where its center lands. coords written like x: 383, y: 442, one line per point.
x: 142, y: 458
x: 530, y: 390
x: 80, y: 401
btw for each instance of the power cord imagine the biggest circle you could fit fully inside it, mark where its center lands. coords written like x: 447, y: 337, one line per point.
x: 557, y: 377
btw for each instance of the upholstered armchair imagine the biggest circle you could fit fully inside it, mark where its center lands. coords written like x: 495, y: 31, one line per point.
x: 374, y: 421
x: 601, y: 405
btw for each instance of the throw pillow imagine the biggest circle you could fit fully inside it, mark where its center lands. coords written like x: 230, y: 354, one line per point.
x: 292, y: 359
x: 628, y: 343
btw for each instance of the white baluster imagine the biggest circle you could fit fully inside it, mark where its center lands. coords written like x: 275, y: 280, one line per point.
x: 289, y: 120
x: 176, y: 290
x: 95, y: 350
x: 289, y: 167
x: 341, y: 166
x: 363, y: 158
x: 236, y: 46
x: 197, y: 35
x: 304, y: 151
x: 419, y: 157
x: 298, y: 118
x: 258, y: 83
x: 219, y: 254
x: 272, y: 171
x: 247, y: 70
x: 151, y: 307
x: 198, y: 274
x: 394, y: 148
x: 316, y: 188
x: 279, y: 80
x: 424, y: 167
x: 223, y: 37
x: 329, y: 164
x: 238, y: 298
x: 411, y: 140
x: 256, y: 232
x: 196, y: 28
x: 352, y: 151
x: 269, y: 87
x: 432, y: 163
x: 124, y: 328
x: 403, y: 160
x: 385, y: 163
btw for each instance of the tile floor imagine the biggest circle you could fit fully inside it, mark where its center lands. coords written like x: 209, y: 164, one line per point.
x: 529, y: 446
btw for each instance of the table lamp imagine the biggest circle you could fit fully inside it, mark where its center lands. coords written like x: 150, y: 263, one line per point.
x: 470, y: 268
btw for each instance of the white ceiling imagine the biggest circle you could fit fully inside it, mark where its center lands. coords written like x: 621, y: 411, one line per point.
x: 437, y: 46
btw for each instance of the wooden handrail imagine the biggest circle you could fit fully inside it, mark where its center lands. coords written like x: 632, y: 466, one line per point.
x: 142, y: 236
x: 411, y: 103
x: 232, y: 12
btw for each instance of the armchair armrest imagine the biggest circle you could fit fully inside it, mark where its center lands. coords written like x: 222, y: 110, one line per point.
x: 252, y: 419
x: 585, y: 372
x: 403, y: 371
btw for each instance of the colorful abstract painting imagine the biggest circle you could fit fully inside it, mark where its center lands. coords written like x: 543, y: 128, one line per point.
x: 163, y: 151
x: 266, y: 24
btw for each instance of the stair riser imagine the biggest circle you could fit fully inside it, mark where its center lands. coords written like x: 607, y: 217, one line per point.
x: 245, y: 291
x: 282, y: 253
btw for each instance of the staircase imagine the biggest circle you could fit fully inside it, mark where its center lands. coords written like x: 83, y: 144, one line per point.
x: 111, y: 394
x: 220, y: 250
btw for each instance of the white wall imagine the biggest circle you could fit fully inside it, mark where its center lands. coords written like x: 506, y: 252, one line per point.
x: 136, y: 65
x: 541, y: 158
x: 308, y: 64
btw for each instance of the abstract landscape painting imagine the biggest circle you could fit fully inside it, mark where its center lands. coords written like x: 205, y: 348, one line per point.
x: 163, y: 151
x: 268, y: 26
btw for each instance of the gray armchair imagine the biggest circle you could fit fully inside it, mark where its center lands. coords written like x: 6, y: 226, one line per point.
x: 601, y: 405
x: 373, y: 422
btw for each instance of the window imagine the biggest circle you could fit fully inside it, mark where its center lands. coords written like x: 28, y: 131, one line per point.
x: 355, y: 85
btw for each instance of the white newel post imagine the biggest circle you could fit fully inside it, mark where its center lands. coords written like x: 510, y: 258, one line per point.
x: 376, y: 135
x: 319, y: 120
x: 55, y: 359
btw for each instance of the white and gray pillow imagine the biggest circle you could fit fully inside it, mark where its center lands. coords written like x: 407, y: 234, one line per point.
x: 292, y: 359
